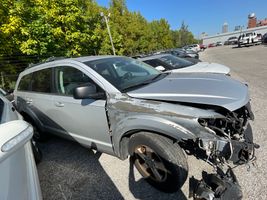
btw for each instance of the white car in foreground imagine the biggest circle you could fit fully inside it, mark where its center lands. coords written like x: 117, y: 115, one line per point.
x: 167, y: 62
x: 18, y: 174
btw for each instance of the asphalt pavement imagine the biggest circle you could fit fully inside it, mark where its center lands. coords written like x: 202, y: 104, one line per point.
x: 70, y: 171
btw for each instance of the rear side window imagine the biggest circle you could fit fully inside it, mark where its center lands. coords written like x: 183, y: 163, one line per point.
x: 24, y: 84
x: 41, y: 81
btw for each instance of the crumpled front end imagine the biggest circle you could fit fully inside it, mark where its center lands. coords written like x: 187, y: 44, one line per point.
x: 235, y: 144
x: 236, y: 137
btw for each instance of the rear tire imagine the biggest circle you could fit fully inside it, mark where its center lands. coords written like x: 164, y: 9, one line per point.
x: 160, y: 161
x: 38, y: 135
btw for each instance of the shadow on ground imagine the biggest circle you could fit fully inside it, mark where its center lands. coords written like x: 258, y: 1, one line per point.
x: 70, y: 171
x: 142, y: 190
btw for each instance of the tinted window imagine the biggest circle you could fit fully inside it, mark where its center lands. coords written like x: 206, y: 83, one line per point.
x: 176, y: 62
x: 41, y: 81
x: 157, y: 62
x: 24, y: 83
x: 68, y: 78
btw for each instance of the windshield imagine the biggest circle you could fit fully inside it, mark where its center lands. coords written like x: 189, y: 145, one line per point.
x: 176, y: 62
x: 123, y: 72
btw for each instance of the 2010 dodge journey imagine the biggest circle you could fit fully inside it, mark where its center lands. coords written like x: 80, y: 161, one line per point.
x: 124, y: 107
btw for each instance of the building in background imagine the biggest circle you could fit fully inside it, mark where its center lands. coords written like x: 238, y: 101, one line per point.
x: 237, y: 28
x: 259, y: 27
x: 203, y: 34
x: 225, y: 28
x: 252, y: 20
x: 225, y: 36
x: 262, y: 22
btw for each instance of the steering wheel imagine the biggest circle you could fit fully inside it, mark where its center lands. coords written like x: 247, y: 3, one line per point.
x: 127, y: 75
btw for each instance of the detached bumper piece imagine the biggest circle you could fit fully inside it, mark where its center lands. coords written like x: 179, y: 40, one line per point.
x: 220, y: 186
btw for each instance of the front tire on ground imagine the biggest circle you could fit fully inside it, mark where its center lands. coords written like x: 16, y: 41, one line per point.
x: 160, y: 161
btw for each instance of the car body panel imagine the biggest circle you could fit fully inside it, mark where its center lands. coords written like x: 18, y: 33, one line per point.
x: 19, y: 177
x: 222, y: 90
x: 205, y: 67
x: 128, y: 115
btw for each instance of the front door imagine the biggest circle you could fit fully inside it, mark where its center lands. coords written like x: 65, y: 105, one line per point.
x: 82, y: 120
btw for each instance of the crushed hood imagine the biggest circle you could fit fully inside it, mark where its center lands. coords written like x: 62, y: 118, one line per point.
x: 205, y: 67
x: 199, y: 88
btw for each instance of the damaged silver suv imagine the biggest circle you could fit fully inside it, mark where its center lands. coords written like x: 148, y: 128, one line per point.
x: 124, y: 107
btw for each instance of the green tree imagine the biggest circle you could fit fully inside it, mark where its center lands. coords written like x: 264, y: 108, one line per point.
x: 33, y: 30
x: 161, y: 37
x: 183, y: 36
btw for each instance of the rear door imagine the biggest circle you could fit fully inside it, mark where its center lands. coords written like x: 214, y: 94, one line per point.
x: 33, y: 95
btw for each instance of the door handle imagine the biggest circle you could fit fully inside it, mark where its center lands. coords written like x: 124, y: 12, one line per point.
x: 59, y: 104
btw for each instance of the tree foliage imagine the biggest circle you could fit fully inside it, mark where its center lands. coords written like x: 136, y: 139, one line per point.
x: 33, y: 30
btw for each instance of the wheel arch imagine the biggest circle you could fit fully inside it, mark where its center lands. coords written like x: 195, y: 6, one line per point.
x: 152, y: 124
x: 32, y: 118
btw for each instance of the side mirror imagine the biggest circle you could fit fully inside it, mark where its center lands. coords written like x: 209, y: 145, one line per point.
x: 14, y: 134
x: 160, y: 68
x: 87, y: 92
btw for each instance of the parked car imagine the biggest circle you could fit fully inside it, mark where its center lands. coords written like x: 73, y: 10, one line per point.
x: 219, y: 43
x: 211, y: 45
x: 168, y: 62
x: 124, y: 107
x: 203, y: 47
x: 191, y: 53
x: 264, y: 38
x: 249, y: 38
x: 231, y: 41
x: 19, y: 178
x: 194, y: 47
x: 181, y: 53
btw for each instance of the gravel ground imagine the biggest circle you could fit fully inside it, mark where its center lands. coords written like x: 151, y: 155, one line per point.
x: 249, y: 65
x: 70, y: 171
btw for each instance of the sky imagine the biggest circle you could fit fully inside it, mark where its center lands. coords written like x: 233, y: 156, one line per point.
x: 200, y: 15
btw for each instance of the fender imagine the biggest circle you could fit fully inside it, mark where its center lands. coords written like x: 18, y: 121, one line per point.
x: 149, y: 123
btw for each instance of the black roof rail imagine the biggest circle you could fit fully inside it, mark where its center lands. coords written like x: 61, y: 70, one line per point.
x: 50, y: 59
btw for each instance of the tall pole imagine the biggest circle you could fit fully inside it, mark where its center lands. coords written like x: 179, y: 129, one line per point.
x: 110, y: 37
x: 2, y: 79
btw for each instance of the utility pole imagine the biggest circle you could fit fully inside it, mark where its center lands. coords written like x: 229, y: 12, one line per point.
x: 106, y: 18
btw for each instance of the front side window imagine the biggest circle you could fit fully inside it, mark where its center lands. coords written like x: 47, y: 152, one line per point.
x: 68, y: 78
x: 41, y: 81
x: 24, y: 84
x: 123, y: 72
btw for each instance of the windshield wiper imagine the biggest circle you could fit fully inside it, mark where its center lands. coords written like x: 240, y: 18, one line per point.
x: 135, y: 86
x: 144, y: 83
